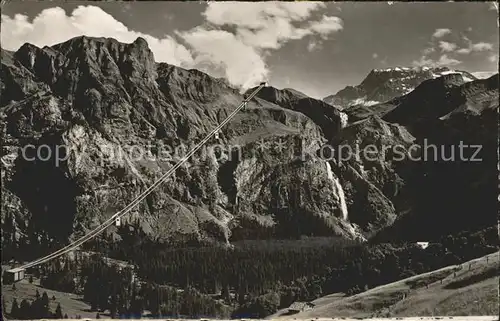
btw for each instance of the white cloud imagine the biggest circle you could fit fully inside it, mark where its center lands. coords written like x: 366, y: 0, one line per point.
x: 493, y: 58
x: 314, y: 45
x: 375, y: 55
x: 273, y: 37
x: 258, y: 28
x: 266, y: 25
x: 326, y: 26
x: 429, y: 50
x: 53, y: 26
x: 423, y: 61
x: 444, y: 60
x: 241, y: 64
x: 447, y: 46
x: 439, y: 33
x: 269, y: 25
x: 239, y: 56
x: 464, y: 51
x: 475, y: 47
x: 257, y: 15
x: 482, y: 46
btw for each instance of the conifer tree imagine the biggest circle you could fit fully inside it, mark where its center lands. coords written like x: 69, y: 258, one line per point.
x: 14, y: 312
x: 58, y: 314
x: 24, y: 310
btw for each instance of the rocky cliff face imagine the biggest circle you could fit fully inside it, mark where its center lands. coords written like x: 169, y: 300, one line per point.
x: 121, y: 117
x: 97, y: 98
x: 329, y: 119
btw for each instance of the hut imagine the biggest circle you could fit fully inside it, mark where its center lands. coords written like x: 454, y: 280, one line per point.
x: 14, y: 275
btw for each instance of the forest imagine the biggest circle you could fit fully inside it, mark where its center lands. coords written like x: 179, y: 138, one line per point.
x: 250, y: 279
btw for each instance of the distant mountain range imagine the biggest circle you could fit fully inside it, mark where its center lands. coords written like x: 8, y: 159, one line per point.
x: 97, y: 94
x: 382, y: 85
x: 484, y: 74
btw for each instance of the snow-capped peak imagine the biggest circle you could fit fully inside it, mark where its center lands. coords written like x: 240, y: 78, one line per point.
x: 385, y: 84
x: 465, y: 76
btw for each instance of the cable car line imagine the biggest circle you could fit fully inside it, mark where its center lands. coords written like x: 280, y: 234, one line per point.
x: 110, y: 221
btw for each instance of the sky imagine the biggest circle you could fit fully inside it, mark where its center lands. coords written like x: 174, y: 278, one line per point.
x: 314, y: 47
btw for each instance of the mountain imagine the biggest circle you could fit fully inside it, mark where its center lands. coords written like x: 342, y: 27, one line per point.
x: 431, y: 194
x: 432, y: 92
x: 442, y: 98
x: 97, y: 96
x: 318, y: 111
x: 458, y: 180
x: 385, y: 84
x: 111, y: 118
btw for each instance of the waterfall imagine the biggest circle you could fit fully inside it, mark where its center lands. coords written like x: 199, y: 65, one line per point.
x: 340, y: 191
x: 343, y: 204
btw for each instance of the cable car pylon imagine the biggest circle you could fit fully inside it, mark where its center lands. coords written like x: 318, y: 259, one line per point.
x: 16, y: 272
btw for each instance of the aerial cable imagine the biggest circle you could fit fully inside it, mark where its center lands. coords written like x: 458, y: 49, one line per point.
x: 110, y: 221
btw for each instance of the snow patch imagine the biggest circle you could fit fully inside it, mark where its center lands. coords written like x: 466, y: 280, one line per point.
x: 452, y: 72
x: 448, y: 72
x: 344, y: 118
x: 371, y: 102
x: 364, y: 102
x: 423, y: 245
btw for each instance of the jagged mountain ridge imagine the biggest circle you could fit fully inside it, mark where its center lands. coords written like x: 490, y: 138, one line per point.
x: 442, y: 91
x: 381, y: 85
